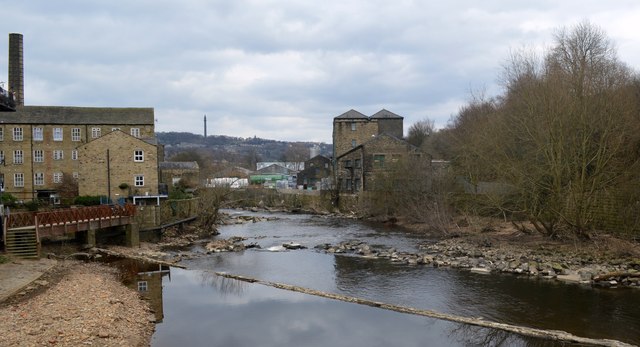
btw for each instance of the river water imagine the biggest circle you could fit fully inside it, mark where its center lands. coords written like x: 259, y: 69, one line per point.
x: 197, y: 308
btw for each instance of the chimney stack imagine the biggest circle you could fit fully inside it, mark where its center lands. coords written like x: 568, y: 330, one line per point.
x: 205, y: 126
x: 16, y: 68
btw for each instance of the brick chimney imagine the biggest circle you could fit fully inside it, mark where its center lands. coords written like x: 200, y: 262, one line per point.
x: 16, y: 68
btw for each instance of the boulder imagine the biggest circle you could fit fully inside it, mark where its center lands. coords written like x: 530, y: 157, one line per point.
x: 481, y: 270
x: 293, y: 245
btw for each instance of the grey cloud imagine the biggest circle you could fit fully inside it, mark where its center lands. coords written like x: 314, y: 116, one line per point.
x: 253, y: 62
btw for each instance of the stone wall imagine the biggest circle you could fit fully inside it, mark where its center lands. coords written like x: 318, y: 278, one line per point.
x: 152, y: 216
x: 343, y: 135
x: 95, y: 176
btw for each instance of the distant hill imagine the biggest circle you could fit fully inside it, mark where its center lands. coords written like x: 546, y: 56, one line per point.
x: 235, y: 149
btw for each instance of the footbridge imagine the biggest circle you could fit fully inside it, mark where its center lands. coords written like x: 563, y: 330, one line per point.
x: 23, y: 231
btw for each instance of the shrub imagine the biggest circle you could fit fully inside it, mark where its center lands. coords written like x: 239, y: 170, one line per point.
x: 88, y: 200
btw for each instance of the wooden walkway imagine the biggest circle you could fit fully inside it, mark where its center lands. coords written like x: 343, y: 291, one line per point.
x: 66, y: 221
x: 23, y: 231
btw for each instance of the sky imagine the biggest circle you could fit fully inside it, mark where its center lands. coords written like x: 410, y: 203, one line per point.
x: 284, y: 69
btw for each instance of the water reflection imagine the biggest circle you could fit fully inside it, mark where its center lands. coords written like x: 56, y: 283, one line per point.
x: 581, y: 310
x: 205, y: 310
x: 146, y: 279
x: 223, y: 285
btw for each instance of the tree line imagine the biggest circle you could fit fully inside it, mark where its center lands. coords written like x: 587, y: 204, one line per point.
x: 559, y: 148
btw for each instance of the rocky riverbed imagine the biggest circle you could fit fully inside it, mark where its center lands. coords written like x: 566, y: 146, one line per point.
x: 485, y: 258
x: 480, y: 253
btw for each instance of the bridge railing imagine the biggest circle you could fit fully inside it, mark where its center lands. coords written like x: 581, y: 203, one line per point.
x: 62, y: 216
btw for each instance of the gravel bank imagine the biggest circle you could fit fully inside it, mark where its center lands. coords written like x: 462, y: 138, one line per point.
x: 79, y: 304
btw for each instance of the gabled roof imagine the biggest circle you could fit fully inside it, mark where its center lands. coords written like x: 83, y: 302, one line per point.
x: 385, y: 114
x: 378, y: 138
x: 274, y: 169
x: 318, y: 157
x: 352, y: 114
x: 109, y: 139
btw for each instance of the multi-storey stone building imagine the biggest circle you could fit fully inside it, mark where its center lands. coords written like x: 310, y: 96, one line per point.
x: 353, y: 128
x: 40, y: 145
x: 356, y: 169
x: 118, y: 165
x: 364, y: 146
x: 315, y: 174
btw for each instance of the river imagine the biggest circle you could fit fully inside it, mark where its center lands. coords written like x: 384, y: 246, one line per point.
x: 198, y: 308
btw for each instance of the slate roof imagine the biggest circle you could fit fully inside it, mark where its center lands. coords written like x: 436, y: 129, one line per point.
x: 385, y: 114
x: 178, y: 165
x: 79, y: 115
x: 352, y: 114
x: 375, y: 139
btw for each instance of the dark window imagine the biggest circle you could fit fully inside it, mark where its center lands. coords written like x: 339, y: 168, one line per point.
x: 378, y: 160
x: 358, y: 163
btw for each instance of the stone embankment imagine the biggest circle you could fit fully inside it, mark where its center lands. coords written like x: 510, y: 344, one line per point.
x: 458, y: 253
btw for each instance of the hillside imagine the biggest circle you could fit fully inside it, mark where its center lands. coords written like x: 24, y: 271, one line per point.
x: 239, y: 150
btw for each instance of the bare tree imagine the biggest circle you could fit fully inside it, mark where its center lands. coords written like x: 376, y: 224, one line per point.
x: 420, y: 131
x: 560, y: 136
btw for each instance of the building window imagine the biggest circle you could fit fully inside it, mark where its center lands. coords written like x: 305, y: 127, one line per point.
x: 353, y: 143
x: 353, y: 126
x: 115, y: 129
x: 57, y: 177
x: 2, y: 157
x: 1, y: 134
x: 95, y: 133
x: 57, y: 134
x: 135, y: 132
x: 58, y: 154
x: 138, y: 155
x: 378, y: 160
x: 138, y: 181
x: 18, y: 180
x: 38, y: 179
x: 17, y: 134
x: 74, y: 155
x: 142, y: 286
x: 18, y: 157
x: 357, y: 184
x: 38, y: 134
x: 75, y: 134
x: 347, y: 163
x: 76, y: 175
x: 358, y: 163
x: 348, y: 184
x: 38, y: 156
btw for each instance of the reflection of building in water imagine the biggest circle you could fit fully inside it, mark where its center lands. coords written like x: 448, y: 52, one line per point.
x: 147, y: 280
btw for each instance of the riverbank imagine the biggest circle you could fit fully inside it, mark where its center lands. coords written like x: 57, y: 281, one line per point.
x: 485, y: 246
x: 75, y: 303
x: 70, y: 290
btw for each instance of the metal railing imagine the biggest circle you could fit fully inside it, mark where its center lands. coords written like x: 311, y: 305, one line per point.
x: 65, y: 216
